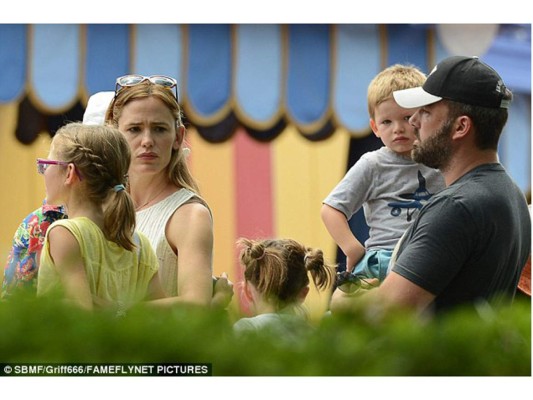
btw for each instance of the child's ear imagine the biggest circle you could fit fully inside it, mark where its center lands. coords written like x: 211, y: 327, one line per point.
x: 247, y: 291
x: 71, y: 174
x: 303, y: 294
x: 374, y: 127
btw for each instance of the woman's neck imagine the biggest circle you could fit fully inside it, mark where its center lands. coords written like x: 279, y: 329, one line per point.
x: 147, y: 191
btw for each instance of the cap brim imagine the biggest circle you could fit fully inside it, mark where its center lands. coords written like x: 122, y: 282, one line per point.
x: 414, y: 98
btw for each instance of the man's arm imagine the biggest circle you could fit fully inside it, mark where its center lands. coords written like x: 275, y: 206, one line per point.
x: 395, y: 292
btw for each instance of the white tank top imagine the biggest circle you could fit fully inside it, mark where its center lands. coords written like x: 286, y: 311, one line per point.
x: 152, y: 221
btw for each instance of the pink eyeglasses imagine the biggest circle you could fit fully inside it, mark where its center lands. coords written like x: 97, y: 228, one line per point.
x: 43, y: 164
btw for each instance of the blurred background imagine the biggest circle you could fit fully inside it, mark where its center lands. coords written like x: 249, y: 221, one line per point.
x: 276, y: 113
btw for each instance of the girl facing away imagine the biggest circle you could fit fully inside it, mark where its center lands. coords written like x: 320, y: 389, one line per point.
x: 95, y: 256
x: 276, y: 283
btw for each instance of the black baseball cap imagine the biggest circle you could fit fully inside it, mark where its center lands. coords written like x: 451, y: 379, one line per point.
x: 466, y: 80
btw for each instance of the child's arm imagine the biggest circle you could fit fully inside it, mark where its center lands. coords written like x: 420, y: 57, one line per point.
x: 337, y: 226
x: 66, y: 255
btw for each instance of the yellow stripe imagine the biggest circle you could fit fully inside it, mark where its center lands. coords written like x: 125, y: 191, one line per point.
x: 212, y: 165
x: 304, y: 174
x: 24, y: 189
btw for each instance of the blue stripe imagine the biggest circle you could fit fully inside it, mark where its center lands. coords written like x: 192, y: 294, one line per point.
x: 55, y: 67
x: 108, y: 56
x: 358, y: 60
x: 515, y: 142
x: 407, y: 44
x: 259, y: 71
x: 308, y: 87
x: 13, y: 48
x: 209, y: 69
x: 158, y: 50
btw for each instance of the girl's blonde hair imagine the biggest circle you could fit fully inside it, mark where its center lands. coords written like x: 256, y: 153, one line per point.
x: 178, y: 170
x: 101, y: 156
x: 278, y: 268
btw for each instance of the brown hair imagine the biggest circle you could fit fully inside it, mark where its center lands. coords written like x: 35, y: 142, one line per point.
x: 278, y: 268
x: 395, y: 77
x: 101, y: 155
x: 178, y: 170
x: 488, y: 122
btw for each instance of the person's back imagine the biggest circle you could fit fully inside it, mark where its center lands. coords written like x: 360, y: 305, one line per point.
x: 116, y: 277
x: 20, y: 273
x: 289, y: 326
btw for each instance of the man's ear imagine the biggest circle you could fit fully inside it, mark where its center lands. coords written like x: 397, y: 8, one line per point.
x: 462, y: 127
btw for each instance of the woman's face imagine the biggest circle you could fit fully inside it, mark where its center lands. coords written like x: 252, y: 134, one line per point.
x: 150, y: 129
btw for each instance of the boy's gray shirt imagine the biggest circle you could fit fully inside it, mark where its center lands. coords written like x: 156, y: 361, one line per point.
x: 390, y: 188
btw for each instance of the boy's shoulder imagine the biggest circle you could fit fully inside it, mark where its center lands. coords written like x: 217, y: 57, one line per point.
x: 383, y: 154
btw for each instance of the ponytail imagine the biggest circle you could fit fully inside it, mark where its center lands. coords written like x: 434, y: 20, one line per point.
x: 101, y: 154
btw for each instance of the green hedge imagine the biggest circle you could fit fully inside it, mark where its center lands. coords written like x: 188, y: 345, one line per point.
x: 463, y: 343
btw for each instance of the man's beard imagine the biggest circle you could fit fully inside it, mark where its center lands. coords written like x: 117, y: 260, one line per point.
x: 436, y: 151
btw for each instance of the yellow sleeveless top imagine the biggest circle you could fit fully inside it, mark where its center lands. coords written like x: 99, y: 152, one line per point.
x: 116, y: 276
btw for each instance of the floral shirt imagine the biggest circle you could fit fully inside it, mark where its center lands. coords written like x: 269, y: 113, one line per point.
x: 22, y: 262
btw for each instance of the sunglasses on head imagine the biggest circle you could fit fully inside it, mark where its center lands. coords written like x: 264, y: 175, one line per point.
x: 132, y: 80
x: 43, y: 164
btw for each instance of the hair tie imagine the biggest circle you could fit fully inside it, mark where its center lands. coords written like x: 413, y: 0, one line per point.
x: 119, y: 188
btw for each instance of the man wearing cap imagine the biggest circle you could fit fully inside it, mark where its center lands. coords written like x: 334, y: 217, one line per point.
x: 470, y: 243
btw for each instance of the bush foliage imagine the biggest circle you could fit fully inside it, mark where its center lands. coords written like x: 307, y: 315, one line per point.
x: 467, y: 342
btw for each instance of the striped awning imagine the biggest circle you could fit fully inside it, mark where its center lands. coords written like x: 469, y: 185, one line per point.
x: 262, y: 77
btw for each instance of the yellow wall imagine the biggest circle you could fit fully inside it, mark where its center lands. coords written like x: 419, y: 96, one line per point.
x: 212, y: 166
x: 22, y: 188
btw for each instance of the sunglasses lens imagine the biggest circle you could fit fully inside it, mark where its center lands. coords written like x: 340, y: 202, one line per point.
x: 163, y: 81
x: 129, y: 80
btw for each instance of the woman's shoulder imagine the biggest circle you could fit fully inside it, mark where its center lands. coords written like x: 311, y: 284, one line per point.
x: 192, y: 206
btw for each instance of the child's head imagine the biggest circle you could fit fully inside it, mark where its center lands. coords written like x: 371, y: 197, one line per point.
x: 278, y: 270
x: 395, y: 77
x: 101, y: 158
x: 388, y: 120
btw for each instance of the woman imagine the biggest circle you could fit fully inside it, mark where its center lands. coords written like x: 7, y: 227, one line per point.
x: 170, y: 211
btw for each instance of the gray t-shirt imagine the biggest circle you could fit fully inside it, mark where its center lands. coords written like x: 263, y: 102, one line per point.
x: 390, y: 188
x: 286, y: 326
